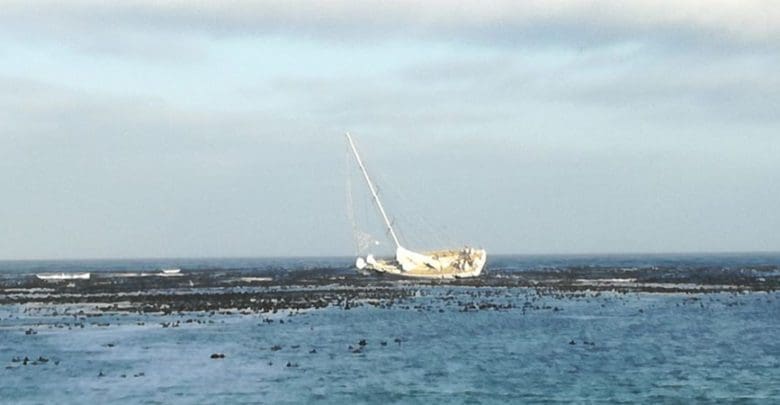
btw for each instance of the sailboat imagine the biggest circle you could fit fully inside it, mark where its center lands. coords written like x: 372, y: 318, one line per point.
x: 438, y: 264
x: 62, y: 276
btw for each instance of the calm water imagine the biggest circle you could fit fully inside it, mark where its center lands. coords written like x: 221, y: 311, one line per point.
x: 511, y: 263
x: 540, y: 347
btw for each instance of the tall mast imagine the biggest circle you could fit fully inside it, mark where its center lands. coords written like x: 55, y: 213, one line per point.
x: 373, y: 191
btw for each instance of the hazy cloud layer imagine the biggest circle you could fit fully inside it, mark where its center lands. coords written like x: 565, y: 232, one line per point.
x: 501, y: 21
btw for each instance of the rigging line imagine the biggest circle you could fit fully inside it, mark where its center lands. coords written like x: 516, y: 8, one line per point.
x: 356, y: 237
x: 417, y: 216
x: 373, y: 191
x: 363, y: 240
x: 348, y: 195
x: 392, y: 231
x: 393, y: 193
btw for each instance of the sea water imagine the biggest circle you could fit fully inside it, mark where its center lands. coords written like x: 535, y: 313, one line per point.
x: 525, y: 346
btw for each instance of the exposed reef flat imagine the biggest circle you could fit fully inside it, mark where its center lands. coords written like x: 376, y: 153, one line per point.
x: 270, y: 291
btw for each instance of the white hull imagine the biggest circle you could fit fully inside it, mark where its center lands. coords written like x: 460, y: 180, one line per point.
x: 447, y: 264
x: 62, y: 276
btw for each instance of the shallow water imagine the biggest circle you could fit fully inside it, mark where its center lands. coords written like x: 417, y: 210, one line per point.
x: 523, y: 345
x: 500, y: 263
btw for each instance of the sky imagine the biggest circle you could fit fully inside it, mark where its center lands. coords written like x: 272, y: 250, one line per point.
x: 215, y: 129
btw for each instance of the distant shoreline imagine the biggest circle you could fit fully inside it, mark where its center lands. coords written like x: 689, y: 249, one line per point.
x: 351, y: 256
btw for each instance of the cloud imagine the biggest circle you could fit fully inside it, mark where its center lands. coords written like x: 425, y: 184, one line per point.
x: 470, y: 93
x: 709, y: 59
x: 501, y: 22
x: 58, y: 122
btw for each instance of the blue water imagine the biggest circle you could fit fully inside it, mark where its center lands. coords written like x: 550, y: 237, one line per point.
x: 11, y: 268
x: 510, y: 263
x: 591, y: 347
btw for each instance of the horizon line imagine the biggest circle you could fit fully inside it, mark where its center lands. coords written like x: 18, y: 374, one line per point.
x: 344, y: 256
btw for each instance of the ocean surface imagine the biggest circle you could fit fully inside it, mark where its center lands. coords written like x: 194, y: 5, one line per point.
x: 440, y: 343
